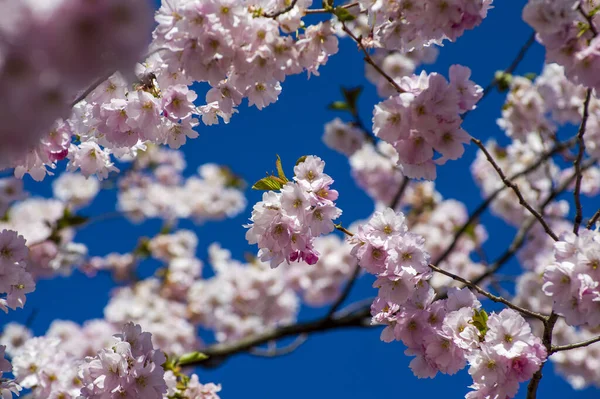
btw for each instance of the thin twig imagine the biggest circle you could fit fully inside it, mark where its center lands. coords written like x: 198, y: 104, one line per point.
x: 487, y: 202
x: 594, y: 219
x: 489, y: 295
x: 277, y: 352
x: 511, y: 68
x: 577, y: 163
x: 344, y: 295
x: 282, y: 11
x: 370, y: 61
x: 519, y: 239
x: 326, y: 10
x: 400, y: 193
x: 344, y: 230
x: 575, y: 346
x: 516, y: 190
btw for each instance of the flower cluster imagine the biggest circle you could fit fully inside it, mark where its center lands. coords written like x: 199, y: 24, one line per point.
x: 563, y: 28
x: 343, y: 137
x: 156, y: 188
x: 51, y: 51
x: 284, y: 224
x: 98, y: 358
x: 51, y: 249
x: 398, y: 258
x: 437, y: 226
x: 40, y: 364
x: 426, y: 118
x: 517, y: 156
x: 374, y: 169
x: 241, y: 299
x: 165, y: 318
x: 509, y: 354
x: 75, y: 190
x: 15, y: 279
x: 445, y: 334
x: 322, y: 282
x: 405, y: 25
x: 131, y: 367
x: 237, y: 49
x: 7, y: 387
x: 573, y: 279
x: 529, y: 104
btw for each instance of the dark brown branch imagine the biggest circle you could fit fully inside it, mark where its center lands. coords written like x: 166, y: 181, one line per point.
x: 577, y: 163
x: 516, y: 190
x: 487, y: 202
x: 488, y: 294
x: 282, y: 11
x: 344, y: 295
x: 547, y: 341
x: 218, y: 353
x: 400, y: 193
x: 519, y: 239
x: 370, y: 61
x: 575, y: 346
x: 511, y: 68
x: 344, y: 230
x: 594, y: 219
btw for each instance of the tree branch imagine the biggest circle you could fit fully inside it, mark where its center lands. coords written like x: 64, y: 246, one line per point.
x: 516, y: 190
x: 489, y: 295
x: 577, y: 163
x: 594, y: 219
x: 340, y: 301
x: 519, y: 239
x: 370, y: 61
x: 277, y: 352
x: 511, y: 68
x: 575, y: 346
x: 547, y: 341
x: 218, y: 353
x: 282, y: 11
x: 487, y: 202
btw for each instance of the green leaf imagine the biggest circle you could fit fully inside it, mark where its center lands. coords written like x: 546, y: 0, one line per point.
x: 339, y: 106
x: 503, y: 80
x: 531, y: 76
x: 70, y: 220
x: 480, y: 318
x: 192, y: 358
x: 351, y: 95
x: 300, y: 160
x: 343, y: 14
x: 583, y: 27
x: 327, y: 4
x: 143, y: 248
x: 594, y: 11
x: 280, y: 172
x: 269, y: 183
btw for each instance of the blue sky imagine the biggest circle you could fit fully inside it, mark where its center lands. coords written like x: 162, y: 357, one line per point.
x: 351, y: 364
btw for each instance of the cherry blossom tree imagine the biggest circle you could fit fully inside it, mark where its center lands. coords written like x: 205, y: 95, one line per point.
x: 111, y: 93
